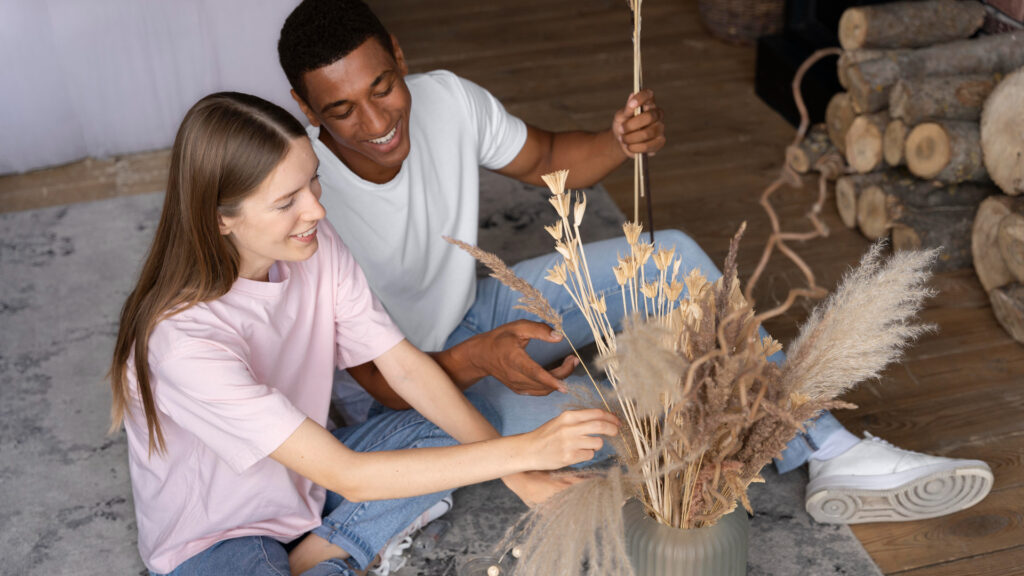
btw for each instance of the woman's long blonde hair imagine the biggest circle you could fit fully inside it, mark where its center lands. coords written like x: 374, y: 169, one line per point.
x: 226, y: 146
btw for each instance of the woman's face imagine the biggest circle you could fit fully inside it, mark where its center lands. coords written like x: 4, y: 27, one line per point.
x: 278, y: 221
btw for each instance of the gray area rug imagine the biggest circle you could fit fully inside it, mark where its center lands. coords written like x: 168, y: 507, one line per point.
x: 65, y: 494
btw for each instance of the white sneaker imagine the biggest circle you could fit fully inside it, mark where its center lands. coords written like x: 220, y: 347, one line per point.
x: 392, y: 557
x: 877, y: 482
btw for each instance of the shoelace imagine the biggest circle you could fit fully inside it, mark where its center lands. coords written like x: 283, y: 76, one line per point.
x: 392, y: 558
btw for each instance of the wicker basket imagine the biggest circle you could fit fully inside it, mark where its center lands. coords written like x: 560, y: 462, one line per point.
x: 742, y: 21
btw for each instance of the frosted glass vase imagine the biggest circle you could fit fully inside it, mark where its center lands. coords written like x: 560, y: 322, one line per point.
x: 658, y: 550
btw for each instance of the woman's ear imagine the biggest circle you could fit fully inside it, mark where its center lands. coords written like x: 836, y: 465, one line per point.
x: 224, y: 224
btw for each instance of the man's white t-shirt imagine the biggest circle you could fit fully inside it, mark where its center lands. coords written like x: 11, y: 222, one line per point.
x: 395, y: 229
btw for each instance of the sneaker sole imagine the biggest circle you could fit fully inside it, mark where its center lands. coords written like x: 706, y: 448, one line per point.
x: 936, y: 494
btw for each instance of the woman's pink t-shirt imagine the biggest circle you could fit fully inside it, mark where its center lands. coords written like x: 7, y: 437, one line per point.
x: 232, y: 380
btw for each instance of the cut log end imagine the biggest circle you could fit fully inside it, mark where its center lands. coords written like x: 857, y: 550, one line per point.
x: 1011, y: 244
x: 839, y: 115
x: 1002, y: 134
x: 928, y: 150
x: 846, y: 201
x: 872, y: 215
x: 988, y: 258
x: 905, y: 238
x: 797, y: 159
x: 803, y: 156
x: 864, y: 142
x: 893, y: 143
x: 1008, y: 307
x: 853, y: 29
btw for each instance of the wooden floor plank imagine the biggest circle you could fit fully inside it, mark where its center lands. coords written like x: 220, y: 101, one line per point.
x: 954, y: 372
x: 994, y: 525
x: 932, y: 421
x: 1009, y: 562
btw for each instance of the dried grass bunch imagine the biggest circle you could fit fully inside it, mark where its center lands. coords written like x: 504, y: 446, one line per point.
x: 703, y: 408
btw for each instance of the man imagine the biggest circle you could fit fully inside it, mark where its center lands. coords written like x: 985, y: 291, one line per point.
x: 400, y: 156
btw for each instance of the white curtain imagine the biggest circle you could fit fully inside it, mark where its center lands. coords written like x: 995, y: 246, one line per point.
x: 103, y: 77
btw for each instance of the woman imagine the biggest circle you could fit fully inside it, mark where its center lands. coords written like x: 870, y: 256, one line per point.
x: 223, y: 366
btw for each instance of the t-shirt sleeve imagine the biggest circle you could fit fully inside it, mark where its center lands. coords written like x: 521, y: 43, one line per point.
x: 364, y: 330
x: 210, y: 391
x: 500, y: 135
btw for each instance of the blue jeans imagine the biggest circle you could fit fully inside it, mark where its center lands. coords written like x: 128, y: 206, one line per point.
x: 360, y: 528
x: 495, y: 305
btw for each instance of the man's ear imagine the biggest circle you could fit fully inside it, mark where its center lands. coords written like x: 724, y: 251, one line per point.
x: 305, y: 109
x: 399, y: 56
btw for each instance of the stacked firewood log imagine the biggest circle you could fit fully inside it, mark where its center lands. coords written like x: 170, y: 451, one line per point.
x: 923, y: 158
x: 997, y: 241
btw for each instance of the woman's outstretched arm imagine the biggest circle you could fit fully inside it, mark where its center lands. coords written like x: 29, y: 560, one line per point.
x: 316, y: 454
x: 427, y: 387
x: 568, y: 439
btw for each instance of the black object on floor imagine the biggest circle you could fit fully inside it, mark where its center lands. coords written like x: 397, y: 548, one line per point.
x: 810, y: 25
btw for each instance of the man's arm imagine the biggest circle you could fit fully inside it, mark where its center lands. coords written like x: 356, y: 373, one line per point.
x: 590, y: 156
x: 500, y: 353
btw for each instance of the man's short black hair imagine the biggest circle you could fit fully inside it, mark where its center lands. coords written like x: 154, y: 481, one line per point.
x: 321, y: 32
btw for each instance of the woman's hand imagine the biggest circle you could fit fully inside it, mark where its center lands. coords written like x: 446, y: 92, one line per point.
x: 570, y: 438
x: 535, y: 487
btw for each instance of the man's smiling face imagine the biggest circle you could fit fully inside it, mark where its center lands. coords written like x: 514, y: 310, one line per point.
x: 361, y: 104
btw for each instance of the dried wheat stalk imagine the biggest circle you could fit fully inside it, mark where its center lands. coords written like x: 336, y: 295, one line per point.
x: 639, y: 160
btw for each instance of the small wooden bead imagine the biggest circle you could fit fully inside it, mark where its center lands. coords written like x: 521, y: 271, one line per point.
x: 517, y: 552
x: 493, y: 571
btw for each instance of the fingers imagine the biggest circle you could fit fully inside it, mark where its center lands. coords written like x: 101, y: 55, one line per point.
x: 552, y: 383
x: 537, y: 381
x: 643, y: 133
x: 534, y: 388
x: 592, y: 443
x: 535, y: 330
x: 646, y: 126
x: 575, y: 436
x: 583, y: 456
x: 592, y: 421
x: 565, y: 369
x: 602, y: 427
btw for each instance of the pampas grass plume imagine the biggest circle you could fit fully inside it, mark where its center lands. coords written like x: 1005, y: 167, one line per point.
x: 862, y: 327
x: 577, y: 531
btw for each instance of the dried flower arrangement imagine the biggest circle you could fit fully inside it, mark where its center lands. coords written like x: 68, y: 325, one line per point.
x: 704, y: 408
